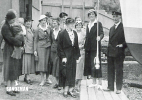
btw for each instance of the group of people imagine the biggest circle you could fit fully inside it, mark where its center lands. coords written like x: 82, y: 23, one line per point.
x: 60, y: 47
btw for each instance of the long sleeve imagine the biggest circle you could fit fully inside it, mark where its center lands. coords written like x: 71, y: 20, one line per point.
x: 7, y: 35
x: 60, y: 51
x: 77, y: 47
x: 101, y: 32
x: 35, y: 39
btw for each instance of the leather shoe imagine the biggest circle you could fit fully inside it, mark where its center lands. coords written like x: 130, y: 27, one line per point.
x: 118, y: 91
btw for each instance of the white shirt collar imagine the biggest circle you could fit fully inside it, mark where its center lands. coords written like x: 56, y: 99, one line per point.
x: 116, y: 25
x: 90, y: 25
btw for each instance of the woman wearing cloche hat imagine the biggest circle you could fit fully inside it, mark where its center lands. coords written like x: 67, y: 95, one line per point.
x: 91, y: 48
x: 28, y: 56
x: 42, y: 45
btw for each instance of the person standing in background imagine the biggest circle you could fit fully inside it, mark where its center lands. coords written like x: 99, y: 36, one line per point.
x: 63, y: 16
x: 116, y: 53
x: 80, y: 62
x: 49, y: 19
x: 42, y: 47
x: 54, y: 56
x: 28, y: 56
x: 91, y: 49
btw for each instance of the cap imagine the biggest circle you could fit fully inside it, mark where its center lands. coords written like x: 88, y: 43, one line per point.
x: 48, y: 14
x: 62, y: 14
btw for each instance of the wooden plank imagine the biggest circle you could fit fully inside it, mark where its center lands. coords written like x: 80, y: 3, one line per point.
x: 99, y: 94
x: 107, y: 95
x: 113, y: 94
x: 83, y: 92
x: 91, y: 91
x: 123, y: 96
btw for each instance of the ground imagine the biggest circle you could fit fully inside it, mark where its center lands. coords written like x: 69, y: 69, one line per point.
x: 132, y: 72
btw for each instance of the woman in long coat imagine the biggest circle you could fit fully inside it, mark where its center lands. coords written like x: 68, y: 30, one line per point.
x: 10, y: 64
x: 91, y: 48
x: 54, y: 56
x: 28, y: 56
x: 68, y: 51
x: 42, y: 46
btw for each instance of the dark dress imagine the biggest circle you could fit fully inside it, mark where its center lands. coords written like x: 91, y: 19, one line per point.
x: 116, y: 56
x: 72, y: 53
x: 54, y: 56
x: 91, y: 49
x: 11, y: 65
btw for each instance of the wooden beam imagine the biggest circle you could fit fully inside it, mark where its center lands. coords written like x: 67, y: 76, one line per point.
x: 70, y: 8
x: 62, y: 6
x: 83, y: 10
x: 66, y: 6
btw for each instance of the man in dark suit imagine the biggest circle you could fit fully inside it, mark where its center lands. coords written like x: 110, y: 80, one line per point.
x: 116, y: 53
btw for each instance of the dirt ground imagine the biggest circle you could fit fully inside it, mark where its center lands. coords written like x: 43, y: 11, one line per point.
x: 35, y: 92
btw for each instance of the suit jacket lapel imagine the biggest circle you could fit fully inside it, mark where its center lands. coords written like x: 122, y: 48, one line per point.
x: 67, y: 37
x: 115, y: 31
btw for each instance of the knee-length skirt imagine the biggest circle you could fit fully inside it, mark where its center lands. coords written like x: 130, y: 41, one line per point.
x: 28, y: 64
x: 43, y: 60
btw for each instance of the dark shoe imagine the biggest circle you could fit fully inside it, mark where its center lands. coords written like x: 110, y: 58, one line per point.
x: 11, y: 93
x: 16, y: 92
x: 65, y: 95
x: 28, y: 81
x: 72, y: 94
x: 55, y: 86
x: 25, y: 79
x: 118, y: 91
x: 60, y: 88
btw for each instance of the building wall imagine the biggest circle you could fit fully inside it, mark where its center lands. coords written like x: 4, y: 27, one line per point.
x: 5, y: 5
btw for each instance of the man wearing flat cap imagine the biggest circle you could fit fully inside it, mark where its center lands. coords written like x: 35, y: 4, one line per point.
x: 49, y: 19
x: 116, y: 53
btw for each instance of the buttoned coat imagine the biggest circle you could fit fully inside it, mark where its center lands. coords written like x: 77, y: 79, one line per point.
x: 91, y: 37
x: 29, y: 41
x: 116, y: 37
x: 11, y: 65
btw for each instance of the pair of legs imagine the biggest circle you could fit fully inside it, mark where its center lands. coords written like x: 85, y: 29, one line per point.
x: 68, y: 90
x: 10, y: 84
x: 78, y: 83
x: 115, y: 64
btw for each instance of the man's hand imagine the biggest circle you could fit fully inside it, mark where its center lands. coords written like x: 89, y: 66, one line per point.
x: 119, y: 45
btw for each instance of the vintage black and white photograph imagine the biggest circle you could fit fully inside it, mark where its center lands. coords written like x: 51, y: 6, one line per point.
x: 70, y: 50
